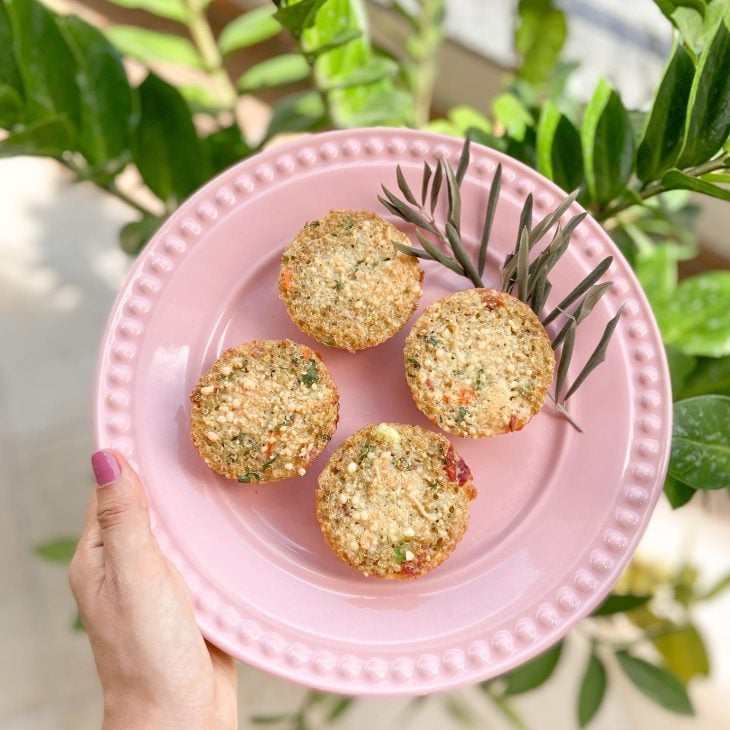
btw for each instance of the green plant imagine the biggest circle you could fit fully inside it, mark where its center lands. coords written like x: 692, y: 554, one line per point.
x: 64, y: 94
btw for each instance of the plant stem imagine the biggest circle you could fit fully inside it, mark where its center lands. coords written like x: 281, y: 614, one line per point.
x: 204, y: 40
x: 648, y: 635
x: 109, y: 187
x: 505, y: 708
x: 424, y: 52
x: 656, y: 187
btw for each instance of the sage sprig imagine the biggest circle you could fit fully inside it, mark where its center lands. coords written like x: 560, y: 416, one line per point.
x: 525, y: 272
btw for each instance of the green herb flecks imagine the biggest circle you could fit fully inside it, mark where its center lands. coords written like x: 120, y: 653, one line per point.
x: 248, y: 477
x: 247, y: 442
x: 399, y: 551
x: 479, y: 382
x: 365, y: 449
x: 433, y: 340
x: 462, y: 413
x: 267, y: 464
x: 309, y: 376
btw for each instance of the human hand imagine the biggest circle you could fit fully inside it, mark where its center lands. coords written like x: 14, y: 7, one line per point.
x: 156, y: 669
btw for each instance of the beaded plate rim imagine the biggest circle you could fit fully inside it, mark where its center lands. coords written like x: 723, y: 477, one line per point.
x: 547, y: 620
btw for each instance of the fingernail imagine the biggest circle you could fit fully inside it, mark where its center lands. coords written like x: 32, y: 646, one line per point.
x: 106, y: 467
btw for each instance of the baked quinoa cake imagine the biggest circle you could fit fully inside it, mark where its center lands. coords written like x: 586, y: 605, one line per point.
x: 393, y: 500
x: 344, y: 282
x: 264, y: 411
x: 479, y: 363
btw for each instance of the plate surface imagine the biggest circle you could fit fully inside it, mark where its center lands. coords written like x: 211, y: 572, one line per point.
x: 558, y: 512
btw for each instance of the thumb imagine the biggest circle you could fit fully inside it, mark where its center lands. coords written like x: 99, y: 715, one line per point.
x: 121, y: 508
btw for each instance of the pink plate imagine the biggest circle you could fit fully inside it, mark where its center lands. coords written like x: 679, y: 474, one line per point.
x: 558, y: 512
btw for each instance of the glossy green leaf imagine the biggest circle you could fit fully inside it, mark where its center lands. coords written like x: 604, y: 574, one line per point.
x: 680, y: 366
x: 46, y: 63
x: 701, y: 442
x: 377, y: 70
x: 50, y: 136
x: 172, y: 9
x: 298, y: 16
x: 336, y: 41
x: 78, y: 624
x: 9, y: 73
x: 656, y: 683
x: 677, y: 493
x: 592, y: 690
x: 708, y: 119
x: 106, y: 98
x: 199, y: 97
x: 559, y: 154
x: 466, y: 118
x: 287, y: 68
x: 149, y: 46
x: 669, y: 6
x: 710, y: 375
x: 620, y: 603
x: 57, y: 551
x: 11, y: 107
x: 511, y: 113
x: 167, y: 150
x: 684, y: 653
x: 225, y: 147
x: 534, y: 673
x: 297, y: 113
x: 340, y: 705
x: 677, y: 180
x: 248, y: 29
x: 663, y: 134
x: 697, y: 319
x: 695, y: 29
x: 656, y: 269
x: 540, y: 35
x: 716, y: 589
x: 608, y: 146
x: 134, y: 235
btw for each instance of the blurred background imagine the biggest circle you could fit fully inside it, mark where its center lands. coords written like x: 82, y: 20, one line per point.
x: 570, y: 87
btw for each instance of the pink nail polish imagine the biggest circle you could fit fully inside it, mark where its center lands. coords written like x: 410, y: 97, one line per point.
x: 106, y: 467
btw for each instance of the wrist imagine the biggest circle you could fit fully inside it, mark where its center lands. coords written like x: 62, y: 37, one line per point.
x: 130, y: 713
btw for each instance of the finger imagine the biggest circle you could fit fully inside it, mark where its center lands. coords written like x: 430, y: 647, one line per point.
x: 87, y: 566
x: 121, y: 511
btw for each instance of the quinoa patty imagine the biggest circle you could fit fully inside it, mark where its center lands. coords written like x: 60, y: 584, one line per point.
x: 393, y: 500
x: 479, y: 363
x: 264, y: 411
x: 344, y: 282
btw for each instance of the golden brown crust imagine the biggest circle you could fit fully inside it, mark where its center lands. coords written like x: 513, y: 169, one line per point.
x: 393, y: 500
x: 479, y: 363
x: 345, y: 284
x: 264, y: 411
